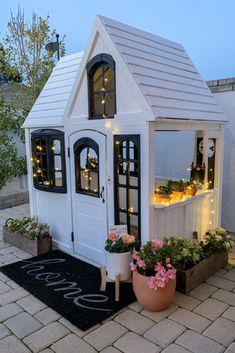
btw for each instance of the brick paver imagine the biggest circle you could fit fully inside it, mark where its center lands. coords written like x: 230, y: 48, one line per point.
x: 202, y: 322
x: 164, y: 333
x: 105, y: 335
x: 133, y: 343
x: 211, y: 308
x: 221, y: 331
x: 134, y: 321
x: 191, y: 320
x: 198, y: 343
x: 184, y: 301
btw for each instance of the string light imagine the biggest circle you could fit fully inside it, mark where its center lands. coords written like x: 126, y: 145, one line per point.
x: 103, y: 101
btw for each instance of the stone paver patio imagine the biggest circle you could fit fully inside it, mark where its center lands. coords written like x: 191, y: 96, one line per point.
x: 202, y: 322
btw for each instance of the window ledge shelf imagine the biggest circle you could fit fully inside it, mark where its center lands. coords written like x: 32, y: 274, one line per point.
x: 186, y: 200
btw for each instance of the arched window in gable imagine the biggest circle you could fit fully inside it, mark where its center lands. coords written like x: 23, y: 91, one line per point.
x: 101, y: 87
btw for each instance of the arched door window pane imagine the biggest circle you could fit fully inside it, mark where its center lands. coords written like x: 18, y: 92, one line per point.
x: 86, y: 152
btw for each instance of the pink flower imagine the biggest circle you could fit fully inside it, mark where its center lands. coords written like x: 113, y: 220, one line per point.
x: 141, y: 264
x: 128, y: 239
x: 132, y: 266
x: 168, y: 260
x: 113, y: 236
x: 157, y: 244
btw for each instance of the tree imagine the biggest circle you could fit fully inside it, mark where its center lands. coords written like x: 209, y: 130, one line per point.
x: 24, y: 62
x: 8, y: 74
x: 11, y: 164
x: 25, y: 50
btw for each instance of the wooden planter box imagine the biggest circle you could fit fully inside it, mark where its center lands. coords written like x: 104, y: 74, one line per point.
x: 33, y: 247
x: 190, y: 279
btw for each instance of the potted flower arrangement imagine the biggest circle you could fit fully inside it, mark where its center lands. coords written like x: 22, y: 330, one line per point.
x: 119, y: 255
x: 154, y: 277
x: 191, y: 188
x: 162, y: 194
x: 177, y: 188
x: 195, y: 261
x: 28, y: 234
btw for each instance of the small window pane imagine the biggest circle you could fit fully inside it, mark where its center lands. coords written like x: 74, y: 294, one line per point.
x: 122, y: 218
x: 133, y: 180
x: 40, y: 145
x: 133, y: 200
x: 94, y: 181
x: 108, y: 78
x: 122, y: 198
x: 99, y: 102
x: 58, y: 179
x: 109, y: 104
x: 122, y: 179
x: 131, y: 153
x: 56, y: 147
x: 97, y: 80
x: 134, y: 225
x: 58, y: 165
x: 84, y: 180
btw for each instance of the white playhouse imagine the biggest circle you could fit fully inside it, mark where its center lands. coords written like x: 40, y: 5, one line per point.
x: 93, y: 135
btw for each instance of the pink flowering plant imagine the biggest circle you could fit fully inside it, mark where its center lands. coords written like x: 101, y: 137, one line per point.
x: 120, y: 244
x: 155, y: 260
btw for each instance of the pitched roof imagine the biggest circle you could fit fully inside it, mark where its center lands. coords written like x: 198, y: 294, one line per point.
x: 164, y: 73
x: 160, y: 69
x: 53, y: 102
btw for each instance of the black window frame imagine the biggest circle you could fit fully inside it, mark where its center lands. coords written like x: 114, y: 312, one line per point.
x: 118, y: 139
x: 49, y: 135
x: 100, y: 60
x: 78, y: 148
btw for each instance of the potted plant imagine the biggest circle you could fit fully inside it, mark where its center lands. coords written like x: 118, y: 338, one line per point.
x: 191, y: 188
x: 162, y: 194
x: 177, y: 188
x: 119, y: 255
x: 195, y: 261
x: 154, y: 277
x: 28, y: 234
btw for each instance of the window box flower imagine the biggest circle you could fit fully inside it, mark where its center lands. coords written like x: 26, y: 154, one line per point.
x: 28, y: 235
x: 195, y: 261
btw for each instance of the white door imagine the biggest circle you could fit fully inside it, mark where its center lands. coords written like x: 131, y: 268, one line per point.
x: 89, y: 203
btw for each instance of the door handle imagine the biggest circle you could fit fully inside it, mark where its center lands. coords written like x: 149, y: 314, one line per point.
x: 102, y: 194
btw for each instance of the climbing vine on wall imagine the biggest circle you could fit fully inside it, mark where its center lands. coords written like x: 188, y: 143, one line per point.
x: 11, y: 163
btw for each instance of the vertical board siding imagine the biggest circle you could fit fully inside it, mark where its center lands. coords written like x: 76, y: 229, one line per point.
x: 184, y: 218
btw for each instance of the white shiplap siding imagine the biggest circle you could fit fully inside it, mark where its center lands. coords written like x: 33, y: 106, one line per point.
x: 52, y: 104
x: 166, y: 76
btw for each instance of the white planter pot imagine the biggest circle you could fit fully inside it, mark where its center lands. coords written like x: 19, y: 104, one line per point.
x: 118, y: 263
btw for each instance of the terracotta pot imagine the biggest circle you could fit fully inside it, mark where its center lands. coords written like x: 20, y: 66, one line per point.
x: 150, y: 299
x: 118, y: 263
x: 190, y: 191
x: 177, y: 195
x: 162, y: 198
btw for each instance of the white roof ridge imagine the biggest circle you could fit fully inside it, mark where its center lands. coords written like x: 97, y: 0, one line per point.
x: 154, y: 37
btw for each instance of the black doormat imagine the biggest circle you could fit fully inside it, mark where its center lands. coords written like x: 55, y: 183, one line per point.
x: 70, y: 287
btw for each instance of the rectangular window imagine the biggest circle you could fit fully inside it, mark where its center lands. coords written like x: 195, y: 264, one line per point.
x: 48, y: 159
